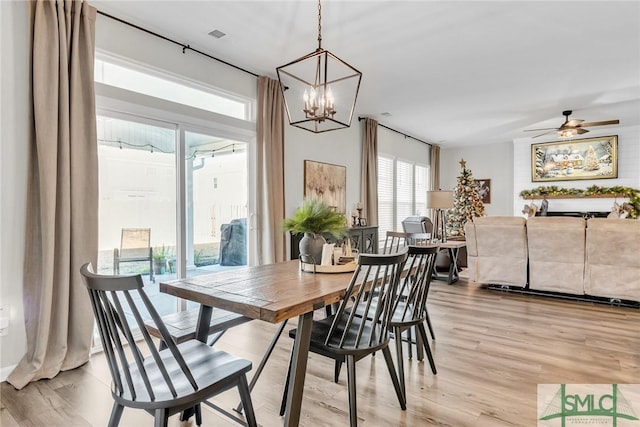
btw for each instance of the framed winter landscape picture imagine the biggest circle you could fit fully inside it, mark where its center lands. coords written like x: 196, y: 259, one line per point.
x: 591, y: 158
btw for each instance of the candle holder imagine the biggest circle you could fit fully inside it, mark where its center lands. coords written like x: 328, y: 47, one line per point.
x: 355, y: 217
x: 359, y: 216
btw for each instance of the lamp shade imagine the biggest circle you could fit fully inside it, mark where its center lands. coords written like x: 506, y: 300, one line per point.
x: 439, y: 199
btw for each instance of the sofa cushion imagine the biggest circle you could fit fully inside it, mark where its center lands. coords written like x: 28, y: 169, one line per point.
x: 613, y: 258
x: 556, y: 254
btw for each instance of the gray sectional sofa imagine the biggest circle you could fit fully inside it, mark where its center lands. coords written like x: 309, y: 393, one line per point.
x: 596, y: 257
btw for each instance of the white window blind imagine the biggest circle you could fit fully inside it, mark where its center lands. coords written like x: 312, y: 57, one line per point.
x: 385, y: 196
x: 421, y: 187
x: 402, y: 192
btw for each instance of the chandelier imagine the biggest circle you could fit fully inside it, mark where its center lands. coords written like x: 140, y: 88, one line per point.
x: 319, y: 89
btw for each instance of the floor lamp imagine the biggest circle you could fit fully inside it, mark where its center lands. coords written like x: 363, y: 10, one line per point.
x: 440, y: 201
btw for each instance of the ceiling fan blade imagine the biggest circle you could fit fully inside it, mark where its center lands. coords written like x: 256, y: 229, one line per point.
x: 572, y: 123
x: 606, y: 122
x: 544, y: 133
x: 534, y: 130
x: 581, y: 131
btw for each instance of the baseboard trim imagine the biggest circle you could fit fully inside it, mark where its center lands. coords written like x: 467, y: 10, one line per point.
x: 614, y: 302
x: 4, y: 372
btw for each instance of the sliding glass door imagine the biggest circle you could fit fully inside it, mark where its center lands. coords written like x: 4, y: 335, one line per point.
x: 137, y: 209
x: 216, y: 203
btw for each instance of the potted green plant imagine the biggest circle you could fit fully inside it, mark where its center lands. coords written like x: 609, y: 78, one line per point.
x: 160, y: 254
x: 315, y: 218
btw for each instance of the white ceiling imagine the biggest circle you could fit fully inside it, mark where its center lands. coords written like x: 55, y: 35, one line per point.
x: 449, y: 72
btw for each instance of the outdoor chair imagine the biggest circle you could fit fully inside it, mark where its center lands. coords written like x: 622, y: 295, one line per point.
x: 162, y: 382
x: 135, y: 246
x: 347, y: 337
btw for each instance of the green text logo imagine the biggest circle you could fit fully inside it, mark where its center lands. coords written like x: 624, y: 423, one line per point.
x: 588, y: 404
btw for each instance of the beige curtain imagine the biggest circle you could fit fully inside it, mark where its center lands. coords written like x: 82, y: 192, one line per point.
x: 270, y: 172
x: 62, y: 210
x: 434, y: 173
x: 369, y: 190
x: 435, y: 167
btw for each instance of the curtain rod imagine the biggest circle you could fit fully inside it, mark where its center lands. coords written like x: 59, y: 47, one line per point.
x: 182, y: 45
x: 397, y: 131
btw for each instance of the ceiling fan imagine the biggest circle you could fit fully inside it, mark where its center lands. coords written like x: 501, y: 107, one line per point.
x: 572, y: 127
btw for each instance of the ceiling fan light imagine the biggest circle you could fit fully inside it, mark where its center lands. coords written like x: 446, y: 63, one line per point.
x: 567, y: 133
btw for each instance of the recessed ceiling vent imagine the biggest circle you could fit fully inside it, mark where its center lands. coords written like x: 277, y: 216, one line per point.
x: 217, y: 34
x: 386, y: 114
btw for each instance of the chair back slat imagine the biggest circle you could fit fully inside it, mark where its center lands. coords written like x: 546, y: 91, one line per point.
x: 164, y: 332
x: 113, y: 298
x: 130, y: 340
x: 413, y: 292
x: 105, y: 339
x: 393, y: 241
x: 359, y: 323
x: 418, y: 239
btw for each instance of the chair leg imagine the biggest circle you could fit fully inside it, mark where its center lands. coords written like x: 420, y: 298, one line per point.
x: 198, y: 409
x: 394, y: 378
x: 161, y: 418
x: 427, y: 349
x: 336, y: 371
x: 116, y: 414
x: 433, y: 336
x: 351, y: 386
x: 283, y: 404
x: 419, y: 351
x: 400, y: 358
x: 245, y: 397
x: 409, y: 342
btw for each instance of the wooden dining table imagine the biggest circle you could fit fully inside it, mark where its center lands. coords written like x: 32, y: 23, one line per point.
x: 273, y: 293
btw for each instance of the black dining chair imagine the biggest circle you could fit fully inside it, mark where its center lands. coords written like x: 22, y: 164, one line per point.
x: 410, y: 309
x: 394, y: 241
x: 347, y: 337
x: 423, y: 239
x: 162, y: 382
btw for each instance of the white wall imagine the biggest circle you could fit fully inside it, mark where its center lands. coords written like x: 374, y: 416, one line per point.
x: 114, y: 38
x: 493, y: 161
x: 342, y: 147
x: 403, y: 148
x: 628, y: 172
x: 15, y: 116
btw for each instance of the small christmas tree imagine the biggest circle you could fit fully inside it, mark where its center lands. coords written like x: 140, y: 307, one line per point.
x: 592, y: 160
x: 467, y: 203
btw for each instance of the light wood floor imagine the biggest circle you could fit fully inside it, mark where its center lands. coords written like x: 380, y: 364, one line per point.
x: 491, y: 350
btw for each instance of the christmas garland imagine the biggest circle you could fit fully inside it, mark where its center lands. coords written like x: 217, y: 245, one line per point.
x: 617, y: 191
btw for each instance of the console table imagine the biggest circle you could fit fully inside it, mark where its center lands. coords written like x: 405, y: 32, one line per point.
x: 364, y: 239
